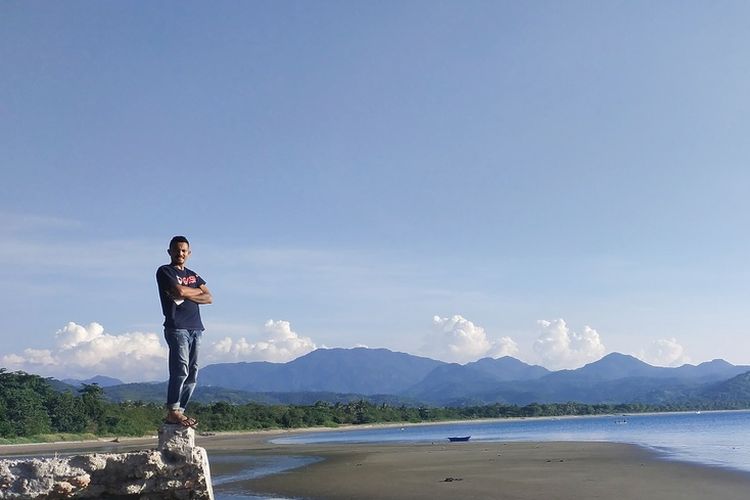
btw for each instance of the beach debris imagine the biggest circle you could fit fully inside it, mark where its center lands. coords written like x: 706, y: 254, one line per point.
x: 452, y: 479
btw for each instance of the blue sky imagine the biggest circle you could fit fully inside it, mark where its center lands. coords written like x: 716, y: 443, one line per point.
x: 549, y: 180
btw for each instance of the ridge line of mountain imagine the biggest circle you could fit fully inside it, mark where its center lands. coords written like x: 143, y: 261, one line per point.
x: 381, y: 373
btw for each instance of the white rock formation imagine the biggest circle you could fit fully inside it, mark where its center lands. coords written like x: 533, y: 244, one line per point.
x: 177, y: 470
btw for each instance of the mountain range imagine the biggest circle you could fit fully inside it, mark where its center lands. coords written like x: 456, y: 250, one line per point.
x: 100, y: 380
x: 615, y: 378
x: 381, y: 375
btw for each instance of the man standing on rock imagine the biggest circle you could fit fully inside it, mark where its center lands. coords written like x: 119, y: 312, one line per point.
x: 181, y: 291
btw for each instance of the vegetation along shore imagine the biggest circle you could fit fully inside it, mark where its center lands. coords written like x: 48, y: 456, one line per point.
x: 31, y: 409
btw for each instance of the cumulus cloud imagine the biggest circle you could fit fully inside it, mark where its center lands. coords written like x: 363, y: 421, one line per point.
x: 84, y: 351
x: 31, y: 357
x: 459, y: 340
x: 72, y: 334
x: 280, y: 344
x: 558, y: 347
x: 664, y: 352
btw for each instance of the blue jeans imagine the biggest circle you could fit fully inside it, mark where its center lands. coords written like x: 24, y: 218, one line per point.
x: 183, y: 365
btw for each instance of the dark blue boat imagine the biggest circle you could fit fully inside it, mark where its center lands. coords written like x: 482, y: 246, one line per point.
x: 460, y: 438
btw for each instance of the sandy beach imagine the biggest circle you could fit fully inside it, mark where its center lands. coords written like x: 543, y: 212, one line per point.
x: 512, y: 471
x: 479, y: 470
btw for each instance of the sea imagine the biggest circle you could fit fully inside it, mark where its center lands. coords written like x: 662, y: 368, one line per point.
x: 716, y: 439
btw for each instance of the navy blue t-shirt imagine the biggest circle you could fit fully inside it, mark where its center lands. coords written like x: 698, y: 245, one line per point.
x: 187, y: 314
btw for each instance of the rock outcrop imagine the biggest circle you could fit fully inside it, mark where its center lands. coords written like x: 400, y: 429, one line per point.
x: 177, y: 470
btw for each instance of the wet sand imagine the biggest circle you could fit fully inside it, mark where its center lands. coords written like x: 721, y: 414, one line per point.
x: 512, y: 471
x: 509, y: 471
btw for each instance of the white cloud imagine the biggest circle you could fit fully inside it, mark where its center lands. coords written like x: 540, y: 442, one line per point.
x: 85, y: 351
x: 558, y: 347
x: 279, y: 345
x: 72, y: 334
x: 33, y: 357
x: 664, y: 352
x: 459, y: 340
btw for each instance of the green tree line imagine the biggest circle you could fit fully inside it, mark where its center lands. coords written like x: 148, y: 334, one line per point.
x: 29, y: 406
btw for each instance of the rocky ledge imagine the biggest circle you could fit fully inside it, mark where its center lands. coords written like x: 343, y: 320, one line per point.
x: 176, y: 470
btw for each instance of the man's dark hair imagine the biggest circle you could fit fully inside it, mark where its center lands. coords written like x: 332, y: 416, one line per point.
x: 178, y: 239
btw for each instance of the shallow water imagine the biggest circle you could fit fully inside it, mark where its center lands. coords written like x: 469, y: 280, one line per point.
x: 230, y: 471
x: 709, y: 438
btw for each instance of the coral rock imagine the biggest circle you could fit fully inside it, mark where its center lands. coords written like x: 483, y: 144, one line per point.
x: 177, y: 470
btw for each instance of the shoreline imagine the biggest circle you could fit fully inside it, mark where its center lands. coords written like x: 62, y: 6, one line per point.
x: 6, y: 449
x: 436, y: 471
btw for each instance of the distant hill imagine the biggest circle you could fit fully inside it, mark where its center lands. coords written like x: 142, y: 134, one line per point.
x: 139, y: 391
x: 718, y: 369
x: 381, y: 375
x: 100, y: 380
x: 611, y: 367
x: 60, y: 386
x: 735, y: 389
x: 616, y: 378
x: 451, y: 382
x: 156, y: 393
x: 508, y: 368
x: 359, y: 371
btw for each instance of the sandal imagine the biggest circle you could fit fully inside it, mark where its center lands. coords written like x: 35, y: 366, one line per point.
x: 190, y: 422
x: 181, y: 420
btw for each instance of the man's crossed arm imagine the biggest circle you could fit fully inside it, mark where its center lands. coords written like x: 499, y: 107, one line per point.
x: 199, y: 295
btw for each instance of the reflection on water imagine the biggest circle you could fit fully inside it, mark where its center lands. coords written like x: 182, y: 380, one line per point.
x: 231, y: 471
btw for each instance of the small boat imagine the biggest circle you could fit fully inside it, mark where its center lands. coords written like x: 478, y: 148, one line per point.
x: 459, y: 438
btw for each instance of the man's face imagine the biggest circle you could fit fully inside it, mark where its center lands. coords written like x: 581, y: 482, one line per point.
x: 179, y: 252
